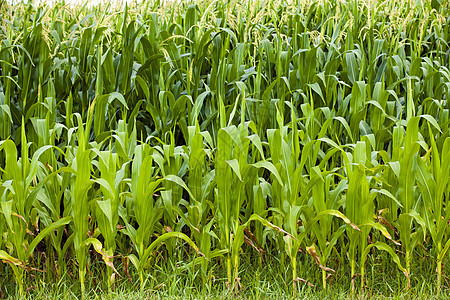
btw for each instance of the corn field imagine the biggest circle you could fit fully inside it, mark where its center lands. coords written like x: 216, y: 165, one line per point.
x: 219, y: 133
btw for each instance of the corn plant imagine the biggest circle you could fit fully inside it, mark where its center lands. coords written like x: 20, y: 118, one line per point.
x: 17, y: 205
x: 81, y: 168
x: 107, y: 210
x: 201, y: 185
x: 433, y: 183
x: 359, y: 209
x: 147, y: 212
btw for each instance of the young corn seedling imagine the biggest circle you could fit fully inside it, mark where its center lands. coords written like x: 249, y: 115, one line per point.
x: 51, y: 199
x: 171, y: 161
x: 201, y: 185
x: 359, y: 209
x: 410, y: 206
x: 82, y: 183
x: 231, y: 162
x: 232, y: 166
x: 319, y: 218
x: 107, y: 208
x: 19, y: 193
x: 147, y: 211
x: 433, y: 181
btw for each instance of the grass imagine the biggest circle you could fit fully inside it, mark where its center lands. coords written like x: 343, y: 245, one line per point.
x: 176, y: 280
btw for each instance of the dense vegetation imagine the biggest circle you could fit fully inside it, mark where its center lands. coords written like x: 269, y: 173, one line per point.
x: 310, y: 138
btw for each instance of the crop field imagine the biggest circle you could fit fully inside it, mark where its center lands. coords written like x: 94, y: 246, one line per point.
x: 259, y: 149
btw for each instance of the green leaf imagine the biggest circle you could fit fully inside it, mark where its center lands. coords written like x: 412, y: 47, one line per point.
x: 180, y: 182
x: 234, y: 164
x: 388, y: 249
x: 271, y: 168
x: 46, y: 231
x: 164, y: 237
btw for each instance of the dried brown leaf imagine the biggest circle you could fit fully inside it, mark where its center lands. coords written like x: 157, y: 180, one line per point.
x: 20, y: 217
x: 111, y: 265
x: 256, y: 245
x: 298, y: 279
x: 312, y: 251
x: 125, y: 262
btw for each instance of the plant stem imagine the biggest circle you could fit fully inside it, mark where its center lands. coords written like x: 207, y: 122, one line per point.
x: 352, y: 276
x: 81, y: 275
x: 229, y: 272
x: 294, y: 274
x: 408, y: 267
x: 20, y: 280
x: 362, y: 276
x: 141, y: 278
x: 439, y: 273
x: 324, y: 279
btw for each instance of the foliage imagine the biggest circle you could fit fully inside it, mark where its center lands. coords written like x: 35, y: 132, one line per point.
x: 210, y: 131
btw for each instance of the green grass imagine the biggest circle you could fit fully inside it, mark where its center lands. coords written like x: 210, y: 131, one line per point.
x: 266, y: 282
